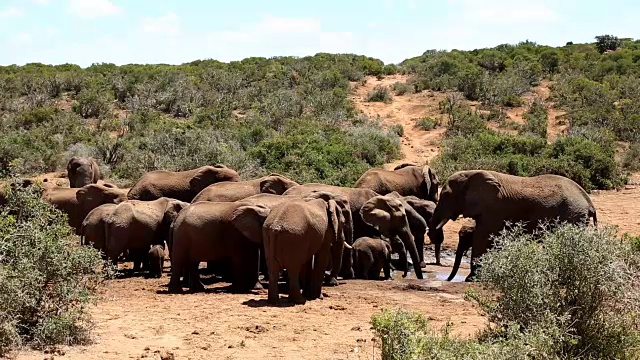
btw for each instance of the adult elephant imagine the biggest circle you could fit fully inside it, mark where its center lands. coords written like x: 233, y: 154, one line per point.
x: 77, y: 207
x: 465, y: 239
x: 83, y: 171
x: 238, y: 190
x: 205, y: 232
x: 356, y: 197
x: 492, y: 198
x: 300, y: 235
x: 405, y: 179
x: 390, y: 216
x: 135, y: 225
x: 92, y: 229
x: 179, y: 185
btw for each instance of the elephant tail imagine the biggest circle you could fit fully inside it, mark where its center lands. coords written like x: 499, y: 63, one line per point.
x: 82, y: 234
x: 592, y: 213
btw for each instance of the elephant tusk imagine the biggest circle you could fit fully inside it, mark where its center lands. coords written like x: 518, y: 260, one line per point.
x: 347, y: 245
x: 441, y: 224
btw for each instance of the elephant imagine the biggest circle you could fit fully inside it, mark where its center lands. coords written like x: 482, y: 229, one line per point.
x: 179, y: 185
x: 405, y: 179
x: 392, y: 217
x: 356, y: 198
x: 92, y: 229
x: 371, y: 255
x: 83, y: 171
x: 465, y: 239
x: 300, y: 235
x: 205, y: 232
x: 420, y: 224
x: 135, y: 225
x: 155, y: 258
x: 492, y: 199
x: 92, y: 195
x: 234, y: 191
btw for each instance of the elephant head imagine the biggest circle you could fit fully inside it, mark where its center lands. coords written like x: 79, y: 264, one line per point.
x: 426, y: 209
x: 207, y: 175
x: 339, y: 214
x: 391, y: 218
x: 248, y: 220
x: 91, y: 196
x: 465, y: 240
x: 82, y: 171
x: 465, y: 193
x: 276, y: 184
x: 428, y: 180
x: 172, y: 209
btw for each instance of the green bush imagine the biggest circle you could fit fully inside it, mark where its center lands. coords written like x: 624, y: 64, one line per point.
x: 397, y: 129
x: 572, y: 295
x: 631, y: 160
x: 46, y: 277
x: 379, y: 93
x: 536, y: 120
x: 400, y: 88
x: 427, y: 123
x: 91, y: 104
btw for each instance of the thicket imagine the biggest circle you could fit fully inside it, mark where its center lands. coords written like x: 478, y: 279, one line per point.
x: 46, y: 278
x: 570, y: 295
x: 288, y: 115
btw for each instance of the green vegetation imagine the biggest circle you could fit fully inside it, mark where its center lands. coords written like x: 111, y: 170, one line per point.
x: 379, y: 93
x: 427, y: 123
x: 290, y: 115
x: 575, y: 297
x: 46, y: 277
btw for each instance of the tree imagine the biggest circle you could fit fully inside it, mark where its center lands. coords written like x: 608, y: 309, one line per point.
x: 607, y: 42
x: 550, y: 60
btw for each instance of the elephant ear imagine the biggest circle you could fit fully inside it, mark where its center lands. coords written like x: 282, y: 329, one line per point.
x: 89, y: 194
x: 416, y: 222
x: 403, y: 165
x: 220, y: 166
x: 319, y: 194
x: 249, y: 219
x: 336, y: 219
x: 379, y: 211
x: 478, y: 187
x: 431, y: 182
x: 424, y: 207
x: 394, y: 194
x: 272, y: 184
x: 200, y: 180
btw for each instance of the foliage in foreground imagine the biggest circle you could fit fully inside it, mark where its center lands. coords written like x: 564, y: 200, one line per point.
x: 46, y: 277
x: 571, y: 296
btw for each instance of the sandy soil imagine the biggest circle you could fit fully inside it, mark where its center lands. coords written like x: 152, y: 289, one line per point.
x: 136, y: 319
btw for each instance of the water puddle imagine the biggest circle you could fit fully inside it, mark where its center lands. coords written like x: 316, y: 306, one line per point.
x: 442, y: 276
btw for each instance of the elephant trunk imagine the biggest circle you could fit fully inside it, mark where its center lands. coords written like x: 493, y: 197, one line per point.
x: 405, y: 262
x: 437, y: 253
x: 410, y: 244
x: 456, y: 263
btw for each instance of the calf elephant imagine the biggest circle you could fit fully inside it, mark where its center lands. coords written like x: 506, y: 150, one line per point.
x: 238, y: 190
x: 465, y: 239
x: 301, y: 235
x: 405, y: 179
x: 391, y: 217
x: 356, y: 198
x: 179, y: 185
x: 493, y: 198
x: 155, y: 259
x: 205, y: 232
x: 83, y: 171
x: 135, y: 225
x: 371, y: 255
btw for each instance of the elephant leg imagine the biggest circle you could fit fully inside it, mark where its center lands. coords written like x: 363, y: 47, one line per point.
x: 175, y: 284
x: 195, y: 285
x: 274, y: 275
x: 420, y: 247
x: 305, y: 279
x: 294, y: 285
x: 321, y: 261
x: 245, y: 266
x: 346, y: 270
x: 479, y: 246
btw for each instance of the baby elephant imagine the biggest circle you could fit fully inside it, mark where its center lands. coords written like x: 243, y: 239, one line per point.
x: 156, y: 261
x: 370, y: 255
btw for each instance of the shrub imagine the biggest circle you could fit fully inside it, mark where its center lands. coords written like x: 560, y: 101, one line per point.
x: 46, y: 277
x: 400, y: 88
x: 536, y: 120
x: 577, y: 282
x: 379, y: 94
x: 91, y: 104
x: 397, y: 129
x: 427, y: 123
x: 632, y: 158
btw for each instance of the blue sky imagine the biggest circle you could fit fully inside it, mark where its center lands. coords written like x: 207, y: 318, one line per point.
x: 170, y: 31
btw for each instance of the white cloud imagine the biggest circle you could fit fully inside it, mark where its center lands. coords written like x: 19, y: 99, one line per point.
x: 11, y: 12
x: 42, y: 2
x: 167, y: 24
x: 21, y: 39
x: 91, y: 9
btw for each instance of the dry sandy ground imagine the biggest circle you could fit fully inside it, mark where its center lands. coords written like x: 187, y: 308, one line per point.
x: 136, y: 319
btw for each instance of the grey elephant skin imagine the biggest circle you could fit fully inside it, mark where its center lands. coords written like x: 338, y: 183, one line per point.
x: 233, y: 191
x: 92, y: 229
x: 493, y: 198
x: 83, y: 171
x: 155, y: 259
x: 179, y: 185
x: 371, y: 255
x: 205, y: 232
x: 405, y: 179
x: 78, y: 202
x: 465, y: 239
x: 136, y: 225
x: 390, y: 216
x: 356, y: 198
x: 298, y: 233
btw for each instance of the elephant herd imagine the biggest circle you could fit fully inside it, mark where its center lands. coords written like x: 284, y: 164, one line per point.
x: 316, y: 232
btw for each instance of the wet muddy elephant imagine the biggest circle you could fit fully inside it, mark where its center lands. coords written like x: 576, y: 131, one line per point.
x: 405, y: 179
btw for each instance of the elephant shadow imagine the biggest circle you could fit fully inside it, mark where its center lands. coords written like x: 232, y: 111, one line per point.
x: 258, y: 303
